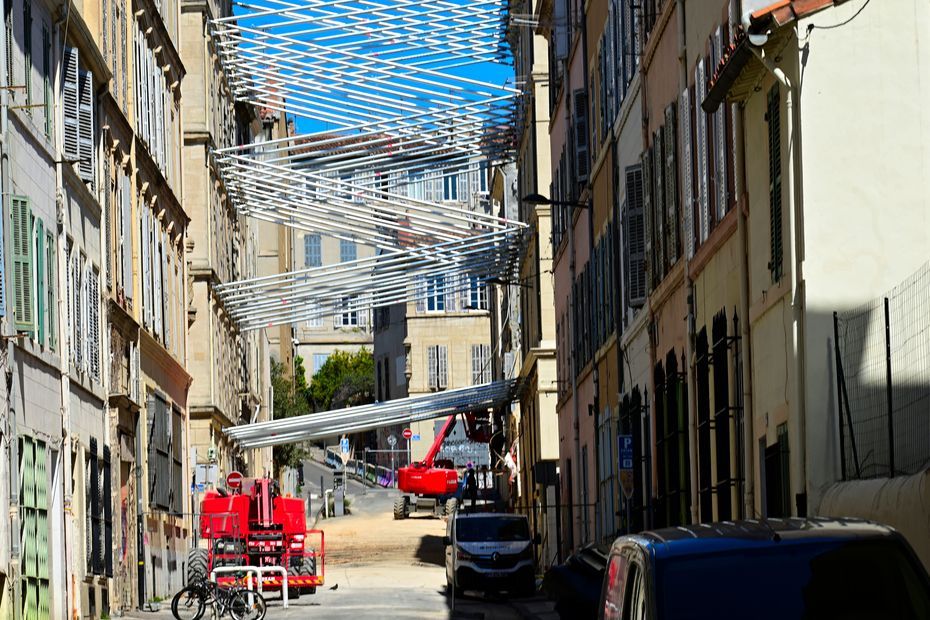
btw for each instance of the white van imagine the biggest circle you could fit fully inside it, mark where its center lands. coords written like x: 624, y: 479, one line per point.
x: 490, y: 552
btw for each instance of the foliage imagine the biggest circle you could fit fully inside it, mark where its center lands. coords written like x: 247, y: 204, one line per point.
x: 345, y: 380
x: 290, y: 399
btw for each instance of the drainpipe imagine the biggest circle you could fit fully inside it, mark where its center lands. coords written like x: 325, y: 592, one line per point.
x: 689, y: 288
x: 796, y: 423
x: 745, y: 332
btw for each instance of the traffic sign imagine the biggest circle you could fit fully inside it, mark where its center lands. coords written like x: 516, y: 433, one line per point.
x: 344, y: 445
x: 407, y: 433
x: 626, y: 464
x: 234, y: 479
x: 416, y: 437
x: 392, y: 440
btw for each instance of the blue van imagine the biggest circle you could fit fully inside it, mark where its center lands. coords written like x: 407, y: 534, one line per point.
x: 776, y: 569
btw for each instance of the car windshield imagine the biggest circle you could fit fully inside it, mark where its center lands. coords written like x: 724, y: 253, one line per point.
x: 496, y: 528
x: 834, y: 580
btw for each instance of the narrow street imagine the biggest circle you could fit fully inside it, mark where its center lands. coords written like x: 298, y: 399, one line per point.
x: 376, y: 567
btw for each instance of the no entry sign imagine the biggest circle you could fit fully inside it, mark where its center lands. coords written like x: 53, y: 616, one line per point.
x: 408, y: 433
x: 234, y: 480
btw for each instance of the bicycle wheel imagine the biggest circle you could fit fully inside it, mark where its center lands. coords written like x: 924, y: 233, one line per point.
x: 246, y: 605
x: 188, y: 604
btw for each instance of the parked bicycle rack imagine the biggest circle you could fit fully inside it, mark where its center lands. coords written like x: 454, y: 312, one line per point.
x: 259, y: 571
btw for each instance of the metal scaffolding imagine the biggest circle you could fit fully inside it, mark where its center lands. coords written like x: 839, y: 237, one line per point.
x: 403, y: 130
x: 368, y: 417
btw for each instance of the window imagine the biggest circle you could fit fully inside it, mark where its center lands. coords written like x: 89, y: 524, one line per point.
x: 33, y: 523
x: 580, y: 101
x: 776, y: 475
x: 450, y: 187
x: 478, y: 294
x: 436, y: 293
x: 687, y: 177
x: 165, y: 443
x: 98, y: 511
x: 23, y: 280
x: 480, y: 364
x: 313, y: 256
x: 703, y: 174
x: 634, y: 238
x: 606, y: 520
x: 51, y: 314
x: 347, y: 251
x: 47, y: 80
x: 437, y: 366
x: 773, y: 116
x: 93, y: 322
x: 27, y: 52
x: 319, y: 359
x: 349, y: 316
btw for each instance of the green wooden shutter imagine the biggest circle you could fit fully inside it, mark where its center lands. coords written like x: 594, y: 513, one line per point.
x: 40, y: 280
x: 22, y: 264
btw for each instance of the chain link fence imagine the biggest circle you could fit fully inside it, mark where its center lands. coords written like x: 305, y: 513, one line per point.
x: 883, y: 382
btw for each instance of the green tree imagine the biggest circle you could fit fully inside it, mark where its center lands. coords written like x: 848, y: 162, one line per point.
x: 345, y: 380
x: 290, y: 399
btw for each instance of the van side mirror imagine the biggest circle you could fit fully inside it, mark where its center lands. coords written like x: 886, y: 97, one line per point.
x: 446, y: 541
x: 537, y: 539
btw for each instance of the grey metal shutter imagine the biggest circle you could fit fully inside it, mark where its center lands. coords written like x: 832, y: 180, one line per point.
x: 70, y: 104
x: 658, y: 204
x: 720, y: 140
x: 87, y: 164
x: 125, y: 228
x: 107, y: 513
x: 671, y: 183
x: 700, y: 85
x: 635, y: 231
x: 687, y: 176
x: 649, y: 225
x: 582, y: 163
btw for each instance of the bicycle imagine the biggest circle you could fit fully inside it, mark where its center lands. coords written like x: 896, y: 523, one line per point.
x: 240, y: 603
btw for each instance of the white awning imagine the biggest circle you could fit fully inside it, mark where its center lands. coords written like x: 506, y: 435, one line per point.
x: 377, y: 415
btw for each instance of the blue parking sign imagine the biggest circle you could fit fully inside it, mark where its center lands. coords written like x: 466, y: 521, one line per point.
x: 625, y: 454
x: 344, y: 444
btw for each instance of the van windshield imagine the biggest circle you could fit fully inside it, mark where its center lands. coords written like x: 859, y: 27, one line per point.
x: 496, y: 528
x: 848, y: 580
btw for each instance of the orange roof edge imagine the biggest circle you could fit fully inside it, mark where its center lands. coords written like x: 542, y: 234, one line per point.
x: 770, y: 9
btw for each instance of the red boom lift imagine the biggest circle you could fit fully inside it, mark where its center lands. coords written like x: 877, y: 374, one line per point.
x: 432, y: 485
x: 255, y: 526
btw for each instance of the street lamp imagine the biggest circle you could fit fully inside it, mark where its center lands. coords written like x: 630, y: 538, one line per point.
x: 539, y: 199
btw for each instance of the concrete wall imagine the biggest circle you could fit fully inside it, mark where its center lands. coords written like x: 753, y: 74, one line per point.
x: 866, y: 161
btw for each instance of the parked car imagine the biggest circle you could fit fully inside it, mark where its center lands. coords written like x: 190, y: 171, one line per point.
x: 575, y: 585
x: 489, y: 552
x: 777, y: 569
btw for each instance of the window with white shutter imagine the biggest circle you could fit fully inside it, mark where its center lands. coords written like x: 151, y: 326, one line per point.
x: 634, y: 237
x: 87, y: 164
x: 125, y: 209
x: 687, y: 177
x: 443, y: 370
x: 720, y: 141
x: 432, y: 366
x: 69, y: 301
x: 70, y: 105
x: 480, y: 364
